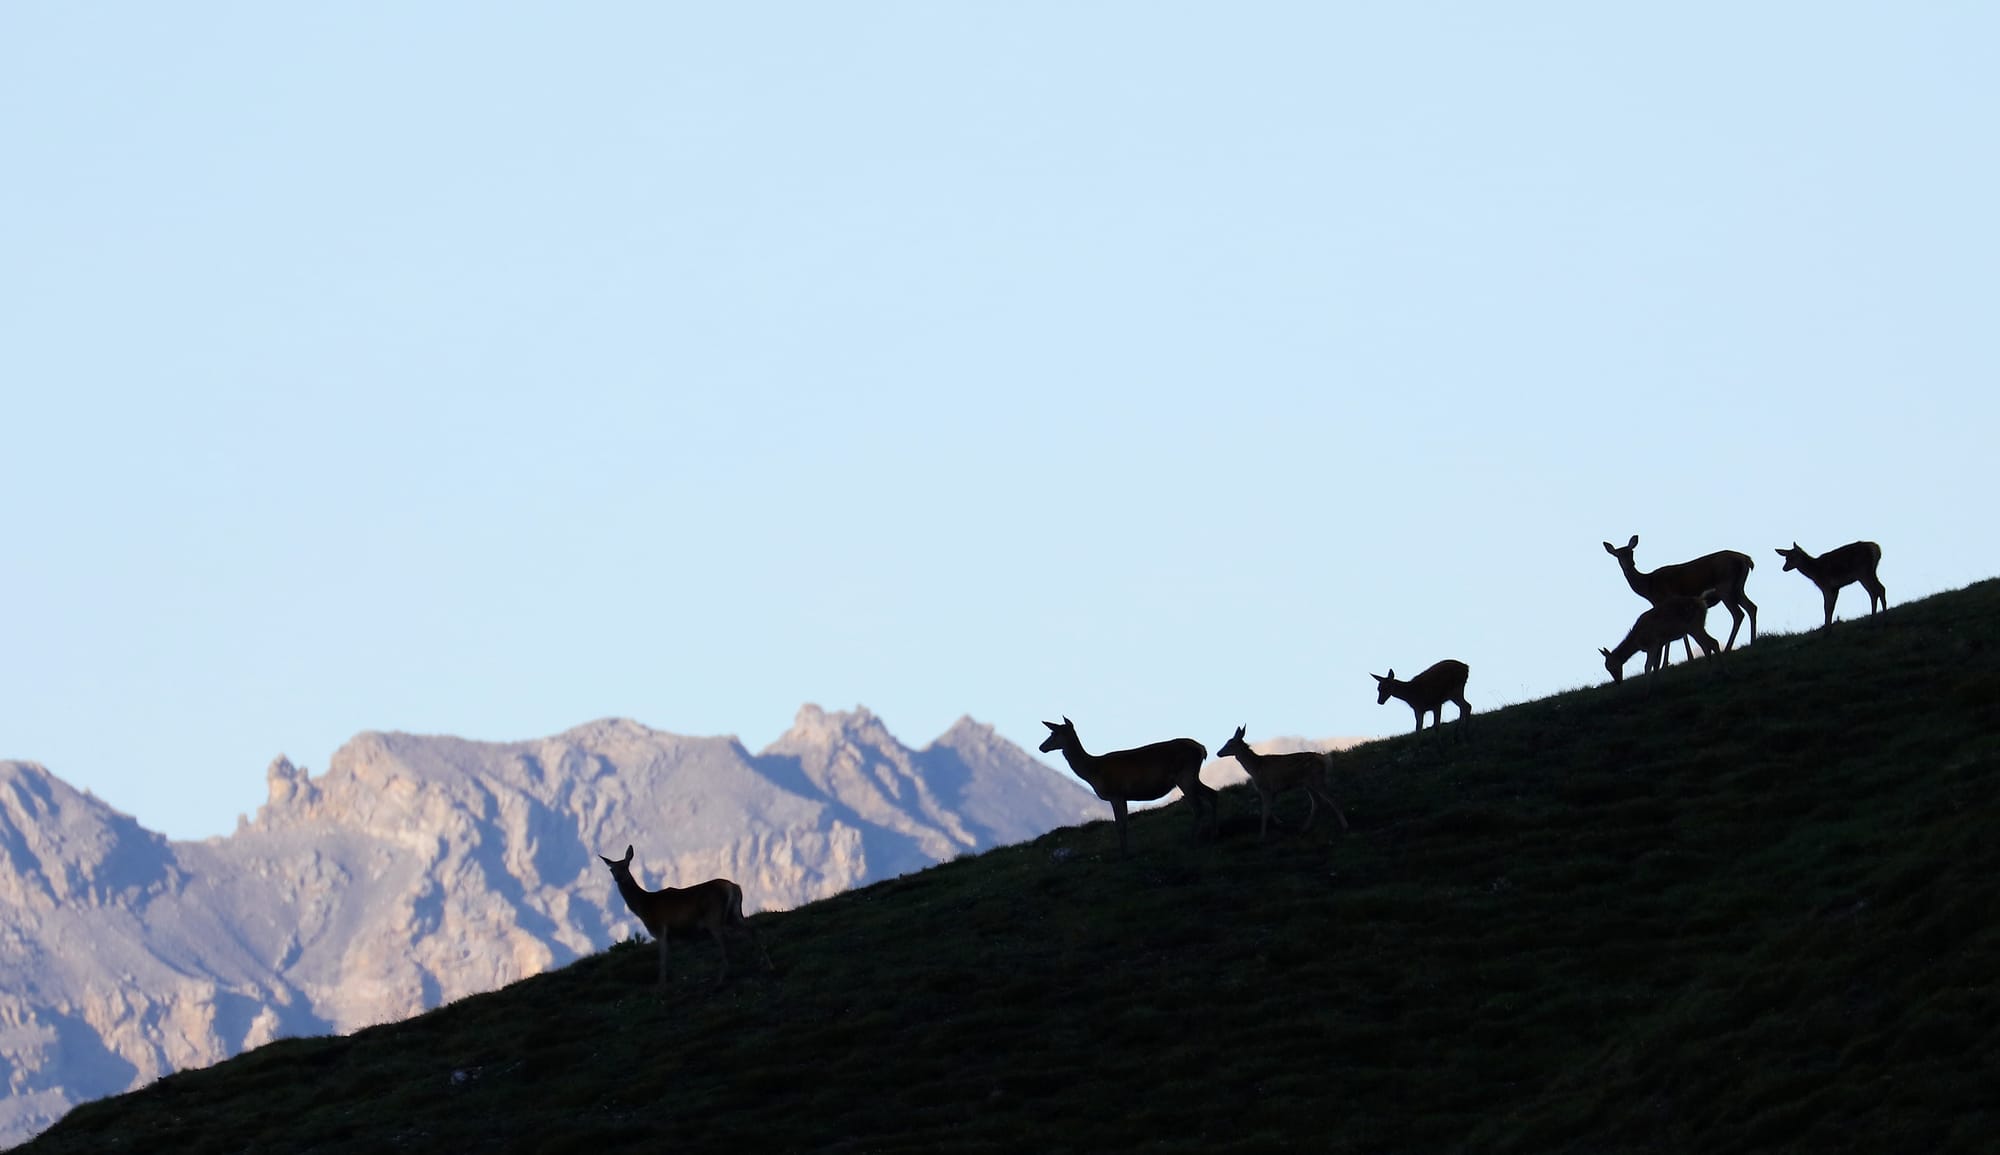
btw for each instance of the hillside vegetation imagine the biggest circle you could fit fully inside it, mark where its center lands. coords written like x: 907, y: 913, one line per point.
x: 1745, y: 903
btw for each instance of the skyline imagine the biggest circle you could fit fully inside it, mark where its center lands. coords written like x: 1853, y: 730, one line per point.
x: 487, y: 371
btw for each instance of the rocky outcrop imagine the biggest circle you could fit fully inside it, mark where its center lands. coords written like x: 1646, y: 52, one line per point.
x: 416, y: 870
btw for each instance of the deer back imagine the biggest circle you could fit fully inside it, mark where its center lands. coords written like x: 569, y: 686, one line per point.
x: 1156, y: 767
x: 1440, y: 683
x: 1284, y: 771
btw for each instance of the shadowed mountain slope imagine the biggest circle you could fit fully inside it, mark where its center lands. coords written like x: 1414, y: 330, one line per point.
x: 1745, y: 904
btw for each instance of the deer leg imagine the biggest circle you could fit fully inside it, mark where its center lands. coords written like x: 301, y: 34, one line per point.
x: 1312, y: 810
x: 1118, y: 817
x: 1735, y: 623
x: 663, y: 956
x: 1330, y: 802
x: 1876, y: 592
x: 1205, y: 803
x: 1264, y: 800
x: 756, y: 942
x: 1832, y: 596
x: 721, y: 944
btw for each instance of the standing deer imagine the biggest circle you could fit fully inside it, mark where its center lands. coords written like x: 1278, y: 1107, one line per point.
x: 1668, y: 621
x: 1137, y: 775
x: 1428, y: 692
x: 1723, y: 571
x: 1273, y: 774
x: 1834, y: 569
x: 709, y: 906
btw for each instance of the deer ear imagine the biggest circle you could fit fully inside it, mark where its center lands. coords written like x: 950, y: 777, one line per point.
x: 1605, y: 652
x: 1240, y: 729
x: 1633, y: 544
x: 628, y: 855
x: 1610, y: 549
x: 1051, y: 725
x: 1779, y: 552
x: 1067, y: 722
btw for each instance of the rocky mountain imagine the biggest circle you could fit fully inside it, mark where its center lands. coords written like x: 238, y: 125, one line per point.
x: 417, y: 870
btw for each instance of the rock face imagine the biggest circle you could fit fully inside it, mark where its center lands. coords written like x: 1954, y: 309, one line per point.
x: 417, y: 870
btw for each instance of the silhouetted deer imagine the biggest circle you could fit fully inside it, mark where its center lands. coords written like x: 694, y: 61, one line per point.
x: 1429, y: 691
x: 1668, y: 621
x: 1137, y: 775
x: 1834, y: 569
x: 709, y: 906
x: 1724, y: 571
x: 1273, y: 774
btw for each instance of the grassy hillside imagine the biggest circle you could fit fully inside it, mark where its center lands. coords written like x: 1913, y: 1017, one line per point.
x: 1748, y: 903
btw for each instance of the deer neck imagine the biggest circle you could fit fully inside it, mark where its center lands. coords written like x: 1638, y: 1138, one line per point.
x: 1081, y: 762
x: 634, y: 895
x: 1640, y: 640
x: 1641, y: 583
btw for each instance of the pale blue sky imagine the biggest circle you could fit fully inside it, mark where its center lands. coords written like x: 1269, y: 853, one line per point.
x: 486, y: 369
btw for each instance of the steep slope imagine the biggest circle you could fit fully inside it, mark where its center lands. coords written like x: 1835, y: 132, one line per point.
x: 1748, y: 903
x: 418, y: 870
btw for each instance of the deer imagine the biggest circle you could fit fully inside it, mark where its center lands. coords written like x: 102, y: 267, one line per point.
x: 1428, y: 692
x: 1137, y: 775
x: 1838, y: 568
x: 710, y: 906
x: 1656, y: 630
x: 1724, y: 571
x: 1273, y: 774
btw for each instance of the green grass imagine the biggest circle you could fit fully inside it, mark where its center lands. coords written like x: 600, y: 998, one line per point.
x: 1748, y: 903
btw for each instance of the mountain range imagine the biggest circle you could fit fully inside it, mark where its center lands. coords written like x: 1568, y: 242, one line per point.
x: 416, y: 870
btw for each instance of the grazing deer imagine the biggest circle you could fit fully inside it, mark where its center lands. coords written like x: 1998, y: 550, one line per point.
x: 1273, y: 774
x: 1723, y: 571
x: 1137, y: 775
x: 1666, y: 622
x: 1429, y: 691
x: 709, y: 906
x: 1836, y: 568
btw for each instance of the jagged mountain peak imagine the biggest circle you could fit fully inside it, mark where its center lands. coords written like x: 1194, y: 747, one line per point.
x: 60, y: 845
x: 816, y: 728
x: 285, y: 783
x: 605, y: 731
x: 969, y: 733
